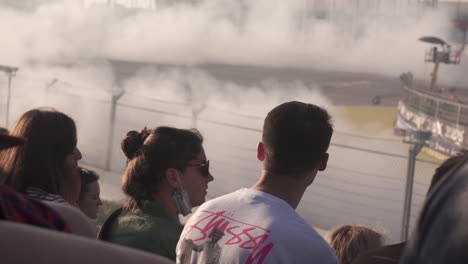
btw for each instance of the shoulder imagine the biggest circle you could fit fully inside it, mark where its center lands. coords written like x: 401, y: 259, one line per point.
x: 300, y: 233
x: 144, y: 223
x: 78, y: 222
x: 225, y: 202
x: 297, y: 239
x: 301, y: 247
x: 145, y: 232
x: 20, y: 208
x: 227, y: 197
x: 43, y: 196
x: 248, y: 199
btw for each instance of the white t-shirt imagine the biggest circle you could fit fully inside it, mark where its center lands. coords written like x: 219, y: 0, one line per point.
x: 249, y: 226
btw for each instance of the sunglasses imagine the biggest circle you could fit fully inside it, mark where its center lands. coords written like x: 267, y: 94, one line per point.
x: 204, y: 167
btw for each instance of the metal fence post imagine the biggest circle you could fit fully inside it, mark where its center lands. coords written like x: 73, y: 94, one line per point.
x: 113, y: 110
x: 7, y: 111
x: 11, y: 71
x: 413, y: 152
x: 417, y: 139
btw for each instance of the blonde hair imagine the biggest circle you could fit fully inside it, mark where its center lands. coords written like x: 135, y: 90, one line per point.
x: 349, y: 241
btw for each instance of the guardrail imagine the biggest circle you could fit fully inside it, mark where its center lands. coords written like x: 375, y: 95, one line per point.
x: 435, y: 106
x: 447, y: 119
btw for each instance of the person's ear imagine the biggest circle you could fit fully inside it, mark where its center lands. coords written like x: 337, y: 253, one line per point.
x: 173, y: 178
x: 323, y: 162
x: 261, y: 151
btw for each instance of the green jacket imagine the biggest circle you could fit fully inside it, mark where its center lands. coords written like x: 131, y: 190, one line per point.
x: 149, y: 227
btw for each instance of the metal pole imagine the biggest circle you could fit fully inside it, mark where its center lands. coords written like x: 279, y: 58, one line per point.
x: 8, y: 102
x: 110, y: 138
x: 11, y: 71
x: 196, y: 113
x: 438, y: 59
x: 413, y: 152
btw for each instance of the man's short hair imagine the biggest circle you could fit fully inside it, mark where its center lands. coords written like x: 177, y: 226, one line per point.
x: 296, y: 136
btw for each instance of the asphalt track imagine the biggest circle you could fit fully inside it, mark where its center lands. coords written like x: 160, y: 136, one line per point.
x: 342, y: 88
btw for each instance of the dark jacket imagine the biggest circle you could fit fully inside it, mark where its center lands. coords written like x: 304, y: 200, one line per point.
x: 442, y: 230
x: 150, y: 227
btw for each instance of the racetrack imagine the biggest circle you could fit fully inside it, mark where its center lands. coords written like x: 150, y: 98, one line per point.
x: 342, y: 88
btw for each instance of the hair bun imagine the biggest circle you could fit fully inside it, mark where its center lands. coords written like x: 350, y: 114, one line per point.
x: 133, y: 142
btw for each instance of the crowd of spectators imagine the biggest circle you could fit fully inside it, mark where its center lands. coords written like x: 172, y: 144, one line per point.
x: 47, y: 201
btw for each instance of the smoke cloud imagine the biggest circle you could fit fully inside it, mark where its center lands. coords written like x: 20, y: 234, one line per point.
x: 373, y: 36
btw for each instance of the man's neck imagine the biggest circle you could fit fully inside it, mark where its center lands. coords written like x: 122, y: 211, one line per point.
x: 283, y: 187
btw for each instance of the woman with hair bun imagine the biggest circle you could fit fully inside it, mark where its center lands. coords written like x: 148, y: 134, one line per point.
x: 167, y: 173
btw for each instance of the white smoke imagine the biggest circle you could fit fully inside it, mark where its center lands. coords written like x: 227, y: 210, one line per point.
x: 360, y: 38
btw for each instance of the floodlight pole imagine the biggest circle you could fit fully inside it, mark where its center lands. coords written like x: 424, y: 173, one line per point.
x: 11, y: 72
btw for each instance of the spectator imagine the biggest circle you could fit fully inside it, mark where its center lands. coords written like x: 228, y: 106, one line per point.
x: 349, y: 241
x: 89, y: 200
x: 441, y: 234
x: 260, y: 224
x: 167, y: 172
x: 391, y: 254
x: 19, y: 208
x: 16, y: 207
x: 45, y: 167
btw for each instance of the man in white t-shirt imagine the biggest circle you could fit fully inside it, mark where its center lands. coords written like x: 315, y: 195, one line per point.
x: 260, y: 224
